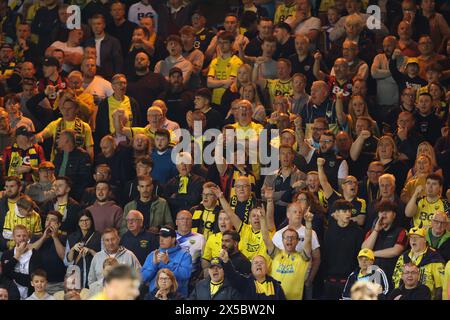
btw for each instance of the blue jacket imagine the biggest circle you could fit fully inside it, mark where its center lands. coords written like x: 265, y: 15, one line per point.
x: 180, y: 263
x: 164, y: 168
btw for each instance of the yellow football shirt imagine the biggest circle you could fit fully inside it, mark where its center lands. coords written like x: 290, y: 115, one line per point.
x: 115, y: 104
x: 283, y: 12
x: 149, y: 133
x: 223, y: 69
x: 213, y: 246
x: 277, y: 87
x: 13, y: 218
x: 290, y: 270
x: 426, y: 210
x: 446, y: 283
x: 252, y: 243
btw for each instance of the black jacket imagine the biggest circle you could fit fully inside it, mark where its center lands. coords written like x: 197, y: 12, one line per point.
x: 11, y: 287
x: 246, y: 285
x: 9, y: 263
x: 170, y: 296
x: 111, y: 57
x: 202, y: 291
x: 183, y: 201
x: 78, y: 169
x: 70, y: 223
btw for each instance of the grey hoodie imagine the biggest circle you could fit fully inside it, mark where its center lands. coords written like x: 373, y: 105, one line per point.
x: 123, y: 256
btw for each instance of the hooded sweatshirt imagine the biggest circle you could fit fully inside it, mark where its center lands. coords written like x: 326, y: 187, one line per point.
x: 105, y: 216
x: 180, y: 263
x: 123, y: 256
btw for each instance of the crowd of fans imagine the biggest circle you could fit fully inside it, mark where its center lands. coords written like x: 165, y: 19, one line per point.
x: 98, y: 204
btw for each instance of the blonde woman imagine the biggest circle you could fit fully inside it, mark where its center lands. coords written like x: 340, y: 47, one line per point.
x: 425, y: 148
x: 357, y: 107
x: 249, y: 92
x: 387, y: 153
x: 166, y: 287
x: 424, y: 167
x: 244, y: 77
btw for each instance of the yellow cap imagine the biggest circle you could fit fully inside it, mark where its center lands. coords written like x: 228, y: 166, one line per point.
x: 366, y: 253
x: 412, y: 60
x: 418, y: 231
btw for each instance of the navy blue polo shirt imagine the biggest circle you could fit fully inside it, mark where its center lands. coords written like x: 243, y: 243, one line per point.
x: 141, y: 245
x: 51, y: 262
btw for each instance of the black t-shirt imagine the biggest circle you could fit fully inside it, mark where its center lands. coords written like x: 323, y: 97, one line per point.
x: 285, y: 50
x: 253, y: 49
x: 359, y: 205
x: 144, y: 207
x: 304, y: 67
x: 51, y: 262
x: 341, y: 247
x: 141, y: 245
x: 429, y: 127
x: 421, y: 292
x: 241, y: 263
x: 123, y: 33
x: 213, y: 119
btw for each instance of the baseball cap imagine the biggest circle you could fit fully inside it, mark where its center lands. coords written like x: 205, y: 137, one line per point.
x: 204, y: 92
x: 366, y: 253
x: 216, y: 262
x: 418, y: 231
x: 175, y: 70
x: 412, y: 60
x: 23, y: 131
x: 51, y: 61
x: 166, y: 232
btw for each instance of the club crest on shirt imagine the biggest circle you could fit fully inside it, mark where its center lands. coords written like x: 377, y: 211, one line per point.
x: 143, y: 243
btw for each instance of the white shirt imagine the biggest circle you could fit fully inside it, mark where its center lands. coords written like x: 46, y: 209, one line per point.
x: 139, y: 10
x: 312, y: 23
x: 278, y: 240
x: 46, y: 297
x: 99, y: 88
x: 195, y: 245
x: 97, y: 48
x: 23, y: 266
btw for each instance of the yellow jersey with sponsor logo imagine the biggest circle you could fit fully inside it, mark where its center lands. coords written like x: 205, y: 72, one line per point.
x: 290, y: 270
x: 279, y: 87
x: 252, y: 243
x: 223, y: 69
x: 284, y: 11
x: 426, y: 210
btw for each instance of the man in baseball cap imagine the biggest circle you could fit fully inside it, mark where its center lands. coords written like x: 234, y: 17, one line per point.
x: 367, y: 271
x: 171, y: 256
x: 429, y: 261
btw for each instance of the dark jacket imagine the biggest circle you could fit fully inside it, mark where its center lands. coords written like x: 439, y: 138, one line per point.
x: 202, y: 291
x: 170, y: 296
x: 70, y: 223
x: 78, y: 169
x: 9, y: 263
x: 246, y: 285
x: 111, y: 57
x: 92, y: 241
x: 11, y: 287
x: 379, y: 278
x: 102, y: 120
x: 121, y: 170
x: 183, y: 201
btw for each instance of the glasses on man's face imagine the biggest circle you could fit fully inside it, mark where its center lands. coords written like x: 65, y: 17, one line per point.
x: 133, y: 220
x: 326, y: 141
x: 290, y: 238
x: 243, y: 186
x: 407, y: 273
x: 302, y: 200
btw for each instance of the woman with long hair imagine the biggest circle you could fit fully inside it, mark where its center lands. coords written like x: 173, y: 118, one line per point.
x: 424, y: 148
x: 82, y: 245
